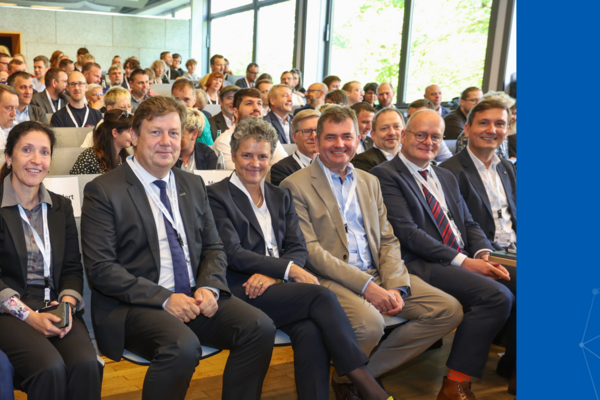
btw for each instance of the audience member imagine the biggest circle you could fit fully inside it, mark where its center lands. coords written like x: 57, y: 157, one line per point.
x: 387, y: 127
x: 226, y: 70
x: 442, y: 245
x: 217, y: 65
x: 49, y: 362
x: 81, y: 52
x: 297, y: 82
x: 76, y: 114
x: 117, y: 98
x: 265, y: 76
x: 264, y: 87
x: 16, y: 65
x: 170, y: 73
x: 354, y: 91
x: 53, y: 98
x: 183, y: 90
x: 433, y: 93
x: 304, y: 134
x: 225, y: 119
x: 138, y: 80
x: 260, y: 255
x: 162, y: 306
x: 115, y: 75
x: 370, y: 90
x: 315, y: 97
x: 92, y: 73
x: 250, y: 79
x: 116, y: 60
x: 4, y: 61
x: 372, y: 282
x: 337, y: 96
x: 195, y: 154
x: 22, y: 83
x: 287, y: 78
x: 131, y: 64
x: 160, y: 68
x: 111, y: 139
x: 7, y: 374
x: 67, y: 65
x: 177, y: 64
x: 191, y: 67
x: 21, y: 57
x: 56, y: 58
x: 9, y: 102
x: 41, y: 65
x: 95, y: 97
x: 247, y: 103
x: 333, y: 82
x: 280, y: 103
x: 214, y: 84
x: 455, y: 121
x: 421, y: 104
x: 386, y: 96
x: 364, y: 115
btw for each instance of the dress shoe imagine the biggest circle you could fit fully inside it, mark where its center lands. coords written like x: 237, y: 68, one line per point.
x: 512, y: 384
x: 345, y: 391
x: 505, y: 368
x: 452, y: 390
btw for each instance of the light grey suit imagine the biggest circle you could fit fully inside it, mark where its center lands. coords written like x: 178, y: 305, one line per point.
x: 431, y: 312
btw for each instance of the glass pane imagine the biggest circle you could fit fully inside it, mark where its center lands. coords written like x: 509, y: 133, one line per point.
x: 184, y: 13
x: 231, y: 37
x: 276, y: 38
x: 224, y: 5
x: 367, y: 37
x: 449, y: 40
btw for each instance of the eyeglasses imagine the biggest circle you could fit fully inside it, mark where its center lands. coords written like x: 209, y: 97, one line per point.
x: 75, y: 84
x: 98, y: 95
x: 307, y: 132
x: 422, y: 136
x: 474, y: 101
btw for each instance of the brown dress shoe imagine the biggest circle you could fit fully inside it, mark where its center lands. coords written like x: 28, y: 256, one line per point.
x: 345, y: 391
x: 512, y: 384
x: 455, y: 391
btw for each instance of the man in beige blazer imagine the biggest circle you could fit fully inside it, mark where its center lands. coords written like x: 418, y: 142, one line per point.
x: 353, y: 251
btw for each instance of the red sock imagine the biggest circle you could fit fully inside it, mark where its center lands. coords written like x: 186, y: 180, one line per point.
x: 458, y: 376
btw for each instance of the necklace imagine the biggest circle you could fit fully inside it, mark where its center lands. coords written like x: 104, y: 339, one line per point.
x: 257, y: 204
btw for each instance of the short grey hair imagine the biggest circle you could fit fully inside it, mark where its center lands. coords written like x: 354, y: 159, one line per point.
x: 301, y: 116
x: 194, y: 120
x: 155, y: 64
x: 337, y: 115
x: 274, y: 90
x: 254, y: 128
x: 115, y: 67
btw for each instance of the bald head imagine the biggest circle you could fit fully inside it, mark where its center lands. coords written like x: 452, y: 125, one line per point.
x: 422, y: 138
x: 433, y: 93
x: 424, y: 114
x: 386, y: 94
x: 315, y: 95
x: 77, y: 86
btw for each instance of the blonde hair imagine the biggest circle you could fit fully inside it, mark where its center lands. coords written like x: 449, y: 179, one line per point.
x: 195, y: 120
x: 115, y: 94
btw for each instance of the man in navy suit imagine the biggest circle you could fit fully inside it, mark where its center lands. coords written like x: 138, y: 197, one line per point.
x: 433, y: 93
x: 250, y: 80
x: 280, y: 102
x: 442, y: 244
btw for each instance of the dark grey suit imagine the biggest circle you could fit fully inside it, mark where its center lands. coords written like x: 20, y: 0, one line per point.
x: 41, y: 100
x: 368, y: 159
x: 122, y: 259
x: 283, y: 169
x: 37, y: 114
x: 273, y: 120
x: 455, y: 124
x: 217, y: 123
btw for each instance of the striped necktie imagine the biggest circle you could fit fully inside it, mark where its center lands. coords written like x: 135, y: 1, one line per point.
x: 443, y: 224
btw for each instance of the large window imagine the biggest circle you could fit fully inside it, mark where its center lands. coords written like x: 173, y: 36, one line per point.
x: 449, y: 40
x: 367, y: 36
x: 232, y: 27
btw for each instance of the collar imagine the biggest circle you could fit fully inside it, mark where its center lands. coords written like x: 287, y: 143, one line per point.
x: 139, y: 101
x: 305, y: 160
x: 480, y: 165
x: 387, y: 155
x: 148, y: 177
x: 10, y: 197
x: 287, y: 119
x: 228, y: 121
x: 349, y: 170
x: 412, y: 166
x: 26, y: 112
x: 238, y: 183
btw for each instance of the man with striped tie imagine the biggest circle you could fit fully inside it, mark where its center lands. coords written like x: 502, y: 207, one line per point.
x: 442, y: 244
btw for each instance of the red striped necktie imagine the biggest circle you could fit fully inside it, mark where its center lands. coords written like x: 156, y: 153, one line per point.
x: 442, y: 221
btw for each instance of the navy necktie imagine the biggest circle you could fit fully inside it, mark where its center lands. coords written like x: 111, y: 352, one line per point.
x: 180, y: 270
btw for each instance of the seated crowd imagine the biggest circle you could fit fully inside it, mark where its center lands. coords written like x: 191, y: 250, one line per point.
x: 370, y: 205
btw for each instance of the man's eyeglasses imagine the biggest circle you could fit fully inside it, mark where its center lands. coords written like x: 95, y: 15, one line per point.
x: 422, y: 136
x: 75, y: 84
x: 474, y: 101
x: 307, y: 132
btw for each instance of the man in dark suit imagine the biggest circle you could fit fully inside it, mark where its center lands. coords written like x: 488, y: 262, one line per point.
x: 444, y: 246
x: 157, y: 267
x: 21, y: 82
x: 225, y: 119
x: 304, y: 133
x: 455, y: 121
x: 433, y: 93
x: 315, y: 97
x: 171, y: 74
x: 54, y: 97
x: 387, y: 127
x: 250, y: 79
x: 280, y: 103
x: 364, y: 114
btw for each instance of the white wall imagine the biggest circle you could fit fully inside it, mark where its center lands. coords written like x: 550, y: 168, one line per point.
x: 104, y: 35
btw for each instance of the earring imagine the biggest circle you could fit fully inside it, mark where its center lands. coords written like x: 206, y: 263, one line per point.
x: 9, y: 166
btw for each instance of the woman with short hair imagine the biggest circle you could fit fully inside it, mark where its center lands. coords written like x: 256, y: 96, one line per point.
x: 195, y: 152
x: 159, y: 68
x: 214, y: 83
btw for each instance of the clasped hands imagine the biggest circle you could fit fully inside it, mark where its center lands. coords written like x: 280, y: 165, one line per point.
x: 484, y: 267
x: 259, y: 283
x: 388, y: 302
x: 187, y: 308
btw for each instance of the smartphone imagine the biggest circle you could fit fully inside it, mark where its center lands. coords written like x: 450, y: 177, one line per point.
x: 62, y: 310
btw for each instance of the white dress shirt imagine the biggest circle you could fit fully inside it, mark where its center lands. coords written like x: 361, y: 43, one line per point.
x: 388, y: 156
x: 22, y: 117
x: 4, y: 135
x: 505, y: 234
x: 285, y: 125
x: 228, y: 121
x: 264, y: 220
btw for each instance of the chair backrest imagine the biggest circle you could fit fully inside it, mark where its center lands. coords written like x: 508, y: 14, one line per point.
x: 49, y: 116
x: 213, y: 109
x: 71, y: 137
x: 234, y: 78
x: 163, y: 89
x: 451, y: 145
x: 213, y: 176
x: 294, y: 108
x: 63, y: 159
x: 289, y: 147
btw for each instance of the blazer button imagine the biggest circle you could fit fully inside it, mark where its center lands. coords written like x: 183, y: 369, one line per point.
x: 344, y: 257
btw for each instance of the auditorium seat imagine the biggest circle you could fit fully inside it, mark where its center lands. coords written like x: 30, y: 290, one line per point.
x: 71, y: 137
x: 63, y: 159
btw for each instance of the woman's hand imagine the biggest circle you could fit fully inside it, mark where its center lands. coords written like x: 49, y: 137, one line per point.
x: 257, y: 285
x: 42, y: 322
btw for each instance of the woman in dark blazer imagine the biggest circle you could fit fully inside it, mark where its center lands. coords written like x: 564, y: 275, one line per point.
x: 49, y: 363
x: 265, y: 248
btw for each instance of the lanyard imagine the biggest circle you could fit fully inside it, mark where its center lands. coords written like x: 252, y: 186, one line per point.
x: 51, y: 103
x: 344, y: 209
x: 178, y: 223
x: 298, y: 159
x: 47, y: 250
x: 87, y: 112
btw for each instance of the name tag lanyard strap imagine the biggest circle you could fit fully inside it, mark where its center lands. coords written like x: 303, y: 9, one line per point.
x: 51, y: 103
x: 46, y: 250
x: 298, y: 159
x: 495, y: 195
x: 345, y: 207
x: 177, y: 223
x: 87, y: 113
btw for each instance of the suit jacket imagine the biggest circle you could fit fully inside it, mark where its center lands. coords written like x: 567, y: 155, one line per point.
x: 121, y: 252
x: 445, y: 111
x: 41, y: 100
x: 413, y: 222
x: 217, y: 123
x: 241, y: 83
x: 204, y: 157
x: 368, y: 159
x: 475, y: 195
x: 305, y: 107
x: 273, y: 120
x: 283, y: 169
x: 243, y: 237
x: 37, y: 114
x: 455, y: 124
x: 67, y: 272
x: 367, y: 143
x: 323, y: 228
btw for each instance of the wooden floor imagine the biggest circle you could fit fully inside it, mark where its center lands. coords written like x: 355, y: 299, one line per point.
x: 419, y: 379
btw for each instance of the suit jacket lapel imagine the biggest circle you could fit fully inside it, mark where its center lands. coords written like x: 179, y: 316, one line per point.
x: 273, y: 206
x: 13, y: 223
x: 501, y: 169
x: 278, y: 127
x: 57, y: 229
x: 241, y: 200
x: 380, y: 156
x: 365, y: 202
x: 475, y: 179
x: 322, y: 188
x: 140, y: 199
x: 412, y: 183
x: 186, y: 207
